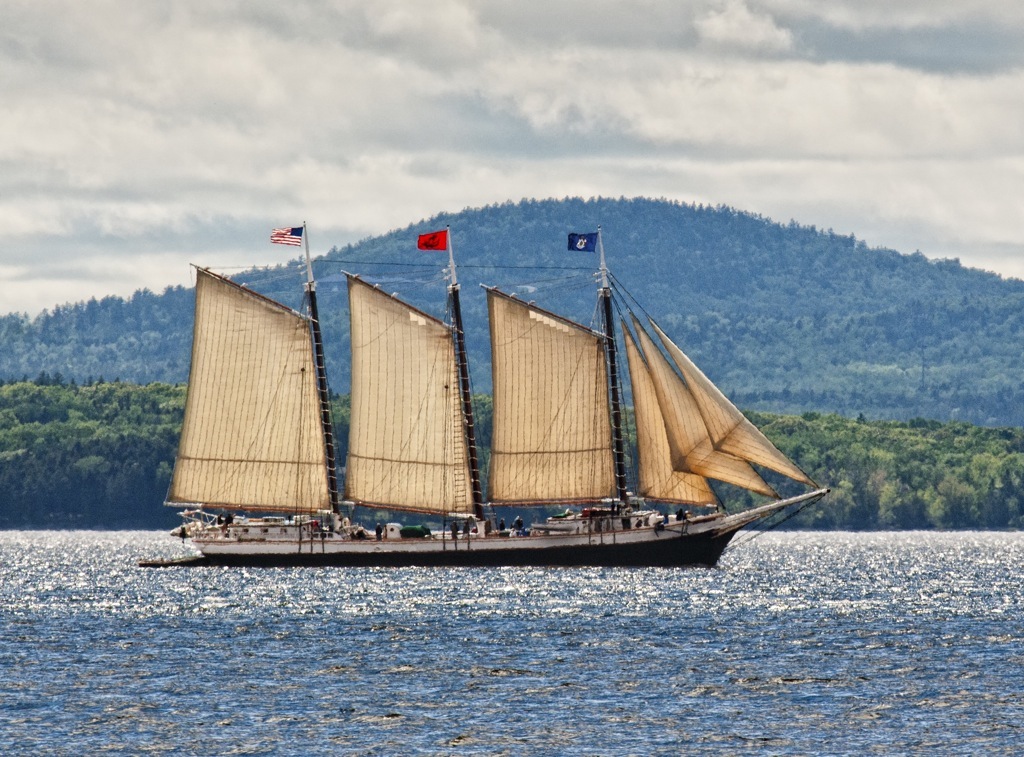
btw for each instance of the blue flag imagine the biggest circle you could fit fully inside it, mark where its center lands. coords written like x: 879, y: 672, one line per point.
x: 583, y: 242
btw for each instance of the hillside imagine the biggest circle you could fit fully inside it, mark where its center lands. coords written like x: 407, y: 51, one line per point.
x: 785, y: 318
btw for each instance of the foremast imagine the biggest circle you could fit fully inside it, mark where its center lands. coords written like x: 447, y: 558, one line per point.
x: 465, y: 389
x: 321, y: 378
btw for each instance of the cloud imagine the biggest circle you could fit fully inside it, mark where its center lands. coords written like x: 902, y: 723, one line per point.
x: 735, y: 25
x: 907, y: 15
x: 138, y: 136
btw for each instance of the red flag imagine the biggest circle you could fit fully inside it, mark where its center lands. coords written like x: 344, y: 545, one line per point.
x: 435, y: 240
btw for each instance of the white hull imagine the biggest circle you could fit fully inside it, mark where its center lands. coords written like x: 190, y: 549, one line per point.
x: 639, y: 539
x: 291, y: 540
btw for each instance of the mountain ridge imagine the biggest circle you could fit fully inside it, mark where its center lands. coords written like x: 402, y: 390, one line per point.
x: 784, y: 317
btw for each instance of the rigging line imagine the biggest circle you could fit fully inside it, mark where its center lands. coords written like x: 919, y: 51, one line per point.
x: 543, y: 298
x: 431, y: 273
x: 426, y: 277
x: 288, y: 268
x: 333, y: 261
x: 751, y: 535
x: 646, y: 330
x: 265, y: 282
x: 626, y: 296
x: 580, y: 281
x: 621, y: 305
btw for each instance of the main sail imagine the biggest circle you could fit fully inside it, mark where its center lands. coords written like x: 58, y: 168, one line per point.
x: 551, y: 439
x: 252, y: 437
x: 407, y: 446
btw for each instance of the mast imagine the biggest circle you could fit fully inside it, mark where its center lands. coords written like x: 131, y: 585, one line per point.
x: 618, y: 452
x: 465, y: 391
x: 321, y: 378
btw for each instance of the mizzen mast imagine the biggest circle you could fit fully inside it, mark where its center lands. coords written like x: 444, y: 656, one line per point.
x: 618, y: 447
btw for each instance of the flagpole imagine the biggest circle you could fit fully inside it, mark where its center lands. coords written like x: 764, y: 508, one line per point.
x: 451, y: 256
x: 310, y: 283
x: 327, y: 426
x: 604, y: 268
x: 465, y: 391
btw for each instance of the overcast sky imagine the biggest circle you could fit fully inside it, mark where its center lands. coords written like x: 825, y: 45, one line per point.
x: 137, y: 137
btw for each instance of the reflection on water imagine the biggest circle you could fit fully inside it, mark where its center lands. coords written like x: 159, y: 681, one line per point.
x: 798, y: 643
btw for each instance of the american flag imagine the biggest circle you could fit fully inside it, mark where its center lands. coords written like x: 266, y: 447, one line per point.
x: 292, y: 235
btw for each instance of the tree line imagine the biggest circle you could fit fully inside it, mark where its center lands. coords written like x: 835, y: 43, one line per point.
x: 100, y: 455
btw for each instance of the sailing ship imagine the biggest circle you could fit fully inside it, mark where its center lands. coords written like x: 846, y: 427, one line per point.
x: 255, y: 469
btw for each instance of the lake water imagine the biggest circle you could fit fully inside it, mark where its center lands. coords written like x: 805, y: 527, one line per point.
x: 798, y: 643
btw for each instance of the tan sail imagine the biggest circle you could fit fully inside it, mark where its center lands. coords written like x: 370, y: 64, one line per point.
x: 552, y: 434
x: 730, y: 430
x: 407, y: 447
x: 252, y: 437
x: 658, y: 479
x: 689, y: 440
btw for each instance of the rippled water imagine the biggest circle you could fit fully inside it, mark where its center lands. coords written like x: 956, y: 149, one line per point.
x: 797, y: 643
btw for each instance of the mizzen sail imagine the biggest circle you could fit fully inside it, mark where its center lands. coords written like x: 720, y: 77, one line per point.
x: 407, y: 446
x: 552, y: 434
x: 252, y: 437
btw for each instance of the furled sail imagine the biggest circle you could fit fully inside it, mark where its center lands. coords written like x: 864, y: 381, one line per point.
x: 552, y: 434
x: 407, y: 446
x: 729, y: 429
x: 690, y: 444
x: 252, y: 437
x: 658, y: 479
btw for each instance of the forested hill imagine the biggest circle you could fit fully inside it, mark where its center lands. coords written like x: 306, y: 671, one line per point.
x: 785, y: 318
x: 100, y: 456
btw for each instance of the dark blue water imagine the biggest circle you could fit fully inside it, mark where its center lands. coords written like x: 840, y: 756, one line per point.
x: 797, y: 644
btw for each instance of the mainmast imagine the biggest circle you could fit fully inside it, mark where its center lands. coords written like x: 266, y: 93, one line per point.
x: 465, y: 391
x: 321, y: 378
x: 618, y: 453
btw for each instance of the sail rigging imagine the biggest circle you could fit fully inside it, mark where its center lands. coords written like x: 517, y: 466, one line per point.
x: 551, y: 439
x: 407, y: 449
x: 252, y: 435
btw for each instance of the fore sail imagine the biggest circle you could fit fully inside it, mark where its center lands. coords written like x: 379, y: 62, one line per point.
x: 252, y: 437
x: 691, y: 448
x: 659, y: 479
x: 407, y: 446
x: 730, y: 430
x: 551, y: 438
